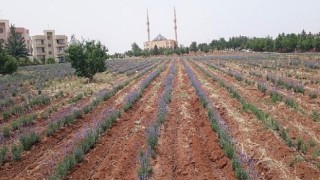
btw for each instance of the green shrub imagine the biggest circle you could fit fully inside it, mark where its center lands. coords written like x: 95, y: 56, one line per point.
x: 275, y: 96
x: 52, y: 128
x: 88, y: 58
x: 51, y: 60
x: 16, y: 151
x: 78, y: 154
x: 3, y: 154
x: 29, y: 140
x: 6, y: 116
x: 315, y: 116
x: 301, y: 146
x: 290, y: 102
x: 6, y: 131
x: 8, y: 64
x: 15, y: 125
x: 63, y: 167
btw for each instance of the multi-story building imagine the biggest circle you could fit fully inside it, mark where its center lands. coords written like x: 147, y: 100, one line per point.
x: 49, y: 45
x: 5, y: 30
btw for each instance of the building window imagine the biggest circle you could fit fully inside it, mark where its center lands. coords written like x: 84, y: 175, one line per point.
x: 60, y: 49
x: 50, y: 53
x: 60, y: 41
x: 1, y: 30
x: 49, y: 45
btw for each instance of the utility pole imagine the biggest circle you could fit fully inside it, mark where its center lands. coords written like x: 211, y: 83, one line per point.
x: 148, y: 24
x: 175, y: 26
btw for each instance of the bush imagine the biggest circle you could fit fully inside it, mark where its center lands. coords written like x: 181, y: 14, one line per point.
x: 51, y: 60
x: 3, y: 153
x: 88, y: 58
x: 6, y: 131
x: 16, y: 151
x: 8, y: 64
x: 6, y: 116
x: 315, y: 116
x: 29, y: 140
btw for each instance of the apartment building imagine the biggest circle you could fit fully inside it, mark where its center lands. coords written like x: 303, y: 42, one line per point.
x: 5, y: 30
x: 49, y: 45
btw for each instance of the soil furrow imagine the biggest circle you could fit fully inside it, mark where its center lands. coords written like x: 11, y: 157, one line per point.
x: 188, y: 148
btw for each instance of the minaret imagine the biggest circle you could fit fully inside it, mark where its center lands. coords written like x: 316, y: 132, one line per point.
x: 175, y: 26
x: 148, y: 23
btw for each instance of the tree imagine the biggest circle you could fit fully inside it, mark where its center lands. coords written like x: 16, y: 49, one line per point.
x: 15, y: 45
x: 156, y: 50
x: 8, y: 64
x: 193, y: 47
x: 203, y: 47
x: 88, y: 58
x: 136, y: 49
x: 316, y: 42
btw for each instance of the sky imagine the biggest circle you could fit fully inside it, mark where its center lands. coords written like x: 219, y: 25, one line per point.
x: 119, y: 23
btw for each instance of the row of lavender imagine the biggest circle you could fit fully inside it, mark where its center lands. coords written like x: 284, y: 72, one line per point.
x: 27, y: 84
x: 94, y: 133
x: 153, y: 131
x: 129, y: 66
x: 275, y: 94
x: 297, y: 143
x: 66, y: 118
x: 272, y: 61
x: 227, y: 143
x: 29, y: 80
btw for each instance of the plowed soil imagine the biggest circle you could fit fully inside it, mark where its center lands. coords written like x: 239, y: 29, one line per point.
x: 116, y: 154
x: 188, y: 147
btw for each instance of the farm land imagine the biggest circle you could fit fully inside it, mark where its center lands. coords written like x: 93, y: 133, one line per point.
x: 220, y: 116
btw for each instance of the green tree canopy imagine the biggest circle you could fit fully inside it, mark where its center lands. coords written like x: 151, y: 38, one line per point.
x: 193, y: 47
x: 15, y: 44
x: 156, y: 50
x: 88, y: 58
x: 136, y: 50
x: 8, y: 64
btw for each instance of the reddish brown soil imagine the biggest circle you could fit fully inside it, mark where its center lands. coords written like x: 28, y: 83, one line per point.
x: 188, y: 147
x: 116, y: 153
x: 272, y: 156
x: 40, y: 161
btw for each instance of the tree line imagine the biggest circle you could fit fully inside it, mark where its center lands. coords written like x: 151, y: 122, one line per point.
x: 283, y: 43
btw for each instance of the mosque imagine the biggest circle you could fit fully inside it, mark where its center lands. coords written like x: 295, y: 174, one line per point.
x: 160, y: 41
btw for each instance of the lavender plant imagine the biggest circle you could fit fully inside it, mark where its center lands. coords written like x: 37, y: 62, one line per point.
x: 218, y: 125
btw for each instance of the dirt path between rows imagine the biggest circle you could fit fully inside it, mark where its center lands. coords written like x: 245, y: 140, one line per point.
x: 188, y: 148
